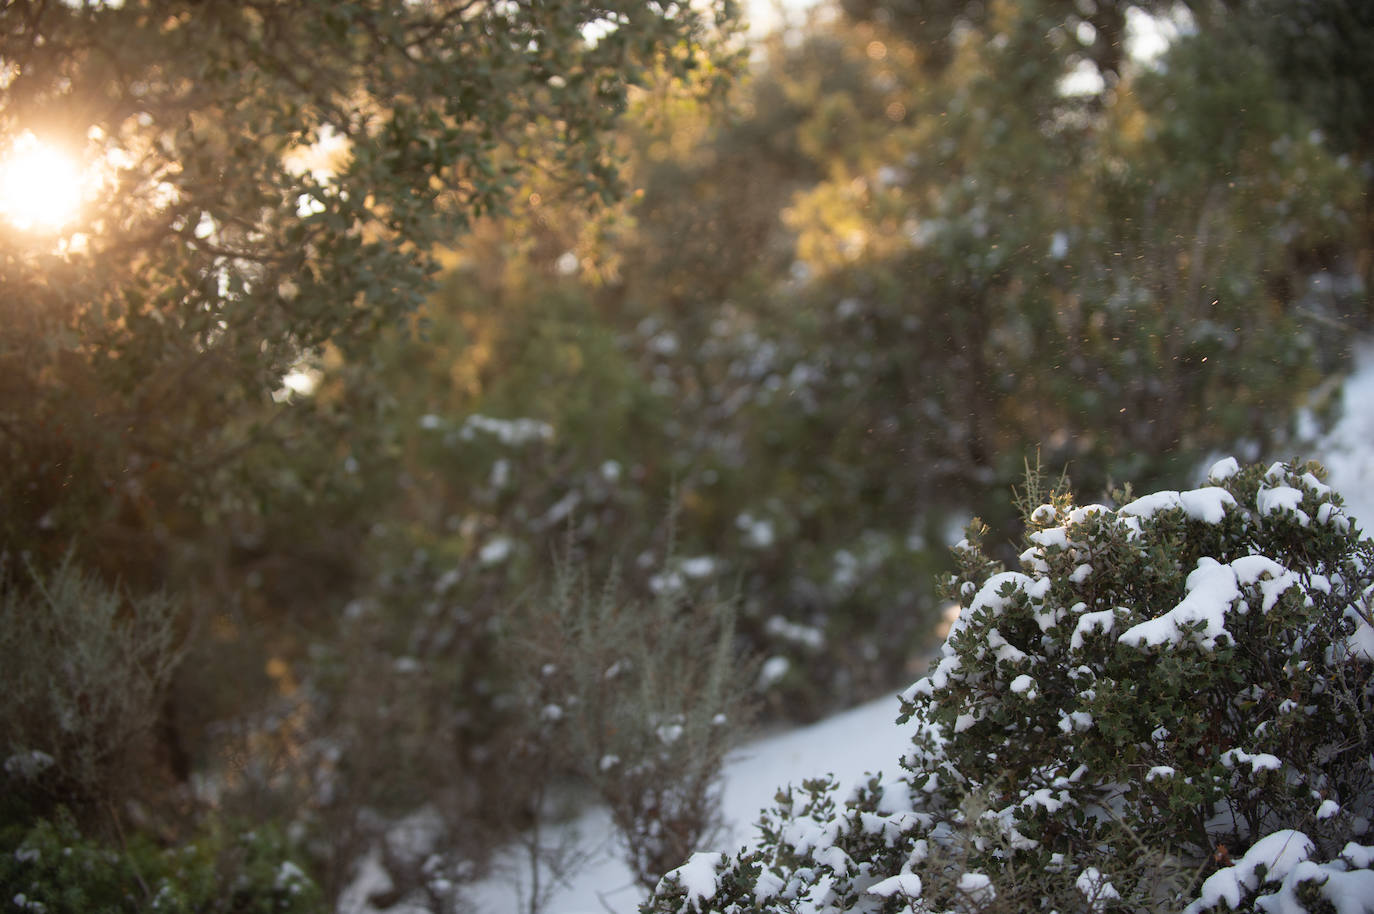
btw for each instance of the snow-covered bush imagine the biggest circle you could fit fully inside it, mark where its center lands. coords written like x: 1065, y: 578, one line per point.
x: 1167, y: 709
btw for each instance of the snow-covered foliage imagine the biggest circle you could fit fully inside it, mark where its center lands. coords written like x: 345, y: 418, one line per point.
x: 1168, y: 707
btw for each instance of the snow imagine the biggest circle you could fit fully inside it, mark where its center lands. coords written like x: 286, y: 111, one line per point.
x: 1103, y: 621
x: 1096, y: 888
x: 496, y: 551
x: 1212, y: 588
x: 1280, y: 500
x: 513, y: 432
x: 773, y: 669
x: 906, y: 884
x: 699, y: 566
x: 806, y: 635
x: 848, y: 746
x: 977, y: 886
x: 1223, y: 469
x: 1279, y: 854
x: 698, y: 875
x: 1207, y: 504
x: 1346, y: 451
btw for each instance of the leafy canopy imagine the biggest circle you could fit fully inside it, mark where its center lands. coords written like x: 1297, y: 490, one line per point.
x: 268, y: 179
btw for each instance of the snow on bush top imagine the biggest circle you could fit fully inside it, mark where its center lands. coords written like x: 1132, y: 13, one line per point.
x: 1167, y: 707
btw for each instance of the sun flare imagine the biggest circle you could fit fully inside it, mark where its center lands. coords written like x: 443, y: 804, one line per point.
x: 40, y: 186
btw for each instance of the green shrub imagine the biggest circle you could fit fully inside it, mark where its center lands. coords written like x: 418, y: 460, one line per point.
x: 52, y: 867
x: 1168, y: 707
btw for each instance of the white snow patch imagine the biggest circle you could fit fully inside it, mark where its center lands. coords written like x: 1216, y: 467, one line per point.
x: 1281, y: 500
x: 496, y: 551
x: 905, y: 884
x: 1279, y: 853
x: 698, y: 876
x: 773, y: 669
x: 1223, y: 469
x: 1096, y: 888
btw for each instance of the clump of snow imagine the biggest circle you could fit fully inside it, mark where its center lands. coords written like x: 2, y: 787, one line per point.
x: 1281, y: 500
x: 1207, y: 504
x: 757, y: 533
x: 667, y: 582
x: 290, y: 877
x: 907, y: 885
x: 773, y: 669
x: 1223, y: 469
x: 496, y: 551
x: 1101, y: 621
x: 1214, y: 590
x: 698, y: 876
x: 806, y: 635
x: 698, y: 567
x: 28, y: 765
x: 1278, y: 853
x: 977, y: 887
x: 1096, y: 888
x: 513, y: 432
x: 1201, y: 614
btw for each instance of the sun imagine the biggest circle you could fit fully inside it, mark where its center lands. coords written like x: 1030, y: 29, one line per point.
x: 41, y: 187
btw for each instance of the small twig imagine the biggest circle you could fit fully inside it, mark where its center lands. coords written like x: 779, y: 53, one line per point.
x: 124, y: 846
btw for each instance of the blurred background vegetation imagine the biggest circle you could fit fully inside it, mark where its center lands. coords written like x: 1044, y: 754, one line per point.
x: 801, y: 313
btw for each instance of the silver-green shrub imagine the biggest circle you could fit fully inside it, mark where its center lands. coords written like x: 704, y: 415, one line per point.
x: 1167, y: 709
x: 639, y: 699
x: 84, y: 667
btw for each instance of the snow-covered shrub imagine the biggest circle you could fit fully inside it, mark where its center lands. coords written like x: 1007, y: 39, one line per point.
x: 1167, y: 709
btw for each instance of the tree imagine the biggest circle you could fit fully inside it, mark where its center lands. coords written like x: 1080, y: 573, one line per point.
x: 267, y: 184
x: 272, y: 179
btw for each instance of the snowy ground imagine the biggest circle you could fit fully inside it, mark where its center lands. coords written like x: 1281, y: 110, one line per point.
x: 844, y: 745
x: 851, y: 744
x: 1348, y: 452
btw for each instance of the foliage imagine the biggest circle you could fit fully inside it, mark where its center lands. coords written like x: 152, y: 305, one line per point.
x: 641, y: 701
x: 52, y: 867
x: 821, y: 316
x: 275, y: 178
x: 1168, y: 705
x: 268, y: 188
x: 836, y: 311
x: 84, y: 673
